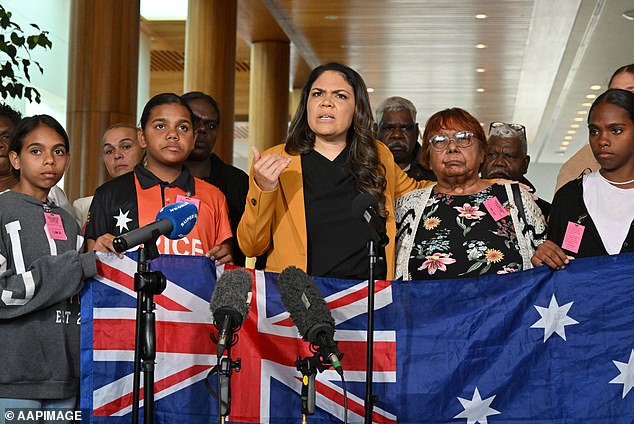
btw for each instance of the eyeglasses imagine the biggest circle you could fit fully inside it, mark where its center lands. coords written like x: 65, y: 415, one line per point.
x: 517, y: 127
x: 461, y: 138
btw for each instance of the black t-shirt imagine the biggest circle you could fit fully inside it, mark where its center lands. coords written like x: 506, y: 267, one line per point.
x: 337, y: 240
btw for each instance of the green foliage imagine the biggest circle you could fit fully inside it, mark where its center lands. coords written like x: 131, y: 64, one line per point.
x: 15, y: 57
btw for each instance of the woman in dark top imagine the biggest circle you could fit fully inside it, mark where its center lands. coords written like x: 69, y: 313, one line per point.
x: 463, y: 226
x: 298, y: 209
x: 593, y: 215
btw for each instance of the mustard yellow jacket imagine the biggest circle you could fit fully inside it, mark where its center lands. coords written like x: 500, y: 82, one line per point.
x: 275, y: 222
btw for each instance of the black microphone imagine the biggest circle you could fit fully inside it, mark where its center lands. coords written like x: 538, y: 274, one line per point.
x: 310, y: 313
x: 366, y: 207
x: 230, y: 304
x: 173, y: 221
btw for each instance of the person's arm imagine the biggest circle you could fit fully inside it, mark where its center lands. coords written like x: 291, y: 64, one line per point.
x: 222, y: 252
x: 49, y: 280
x: 255, y: 229
x: 550, y: 253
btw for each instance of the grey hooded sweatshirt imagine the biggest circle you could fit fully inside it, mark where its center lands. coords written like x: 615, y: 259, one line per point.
x: 40, y: 278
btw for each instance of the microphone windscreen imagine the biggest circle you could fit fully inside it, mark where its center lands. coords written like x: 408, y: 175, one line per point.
x: 232, y: 294
x: 362, y: 202
x: 183, y: 217
x: 305, y: 304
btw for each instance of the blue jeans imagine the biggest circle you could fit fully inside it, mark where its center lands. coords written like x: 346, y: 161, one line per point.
x: 34, y: 404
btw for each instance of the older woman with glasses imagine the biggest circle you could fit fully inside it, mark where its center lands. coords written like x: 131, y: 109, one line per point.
x: 463, y: 226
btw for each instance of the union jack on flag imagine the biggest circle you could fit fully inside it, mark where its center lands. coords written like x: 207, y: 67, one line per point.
x: 537, y: 346
x: 267, y: 387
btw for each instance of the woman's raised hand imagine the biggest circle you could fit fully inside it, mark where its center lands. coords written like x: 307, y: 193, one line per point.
x: 267, y: 169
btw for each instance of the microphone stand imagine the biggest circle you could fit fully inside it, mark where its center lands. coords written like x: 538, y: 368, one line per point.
x: 223, y: 369
x: 146, y: 284
x: 308, y: 367
x: 371, y: 399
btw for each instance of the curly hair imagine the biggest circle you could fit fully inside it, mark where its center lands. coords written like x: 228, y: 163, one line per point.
x: 363, y: 159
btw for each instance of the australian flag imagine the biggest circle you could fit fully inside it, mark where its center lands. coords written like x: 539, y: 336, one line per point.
x: 530, y: 347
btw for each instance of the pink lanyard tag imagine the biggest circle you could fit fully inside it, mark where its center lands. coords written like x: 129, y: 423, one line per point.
x: 572, y: 239
x: 495, y: 208
x: 55, y: 226
x: 186, y: 199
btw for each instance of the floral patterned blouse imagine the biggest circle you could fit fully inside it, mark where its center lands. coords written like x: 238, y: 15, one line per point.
x: 462, y: 236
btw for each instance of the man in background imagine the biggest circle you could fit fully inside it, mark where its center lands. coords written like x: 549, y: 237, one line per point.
x: 205, y: 164
x: 398, y: 130
x: 506, y: 157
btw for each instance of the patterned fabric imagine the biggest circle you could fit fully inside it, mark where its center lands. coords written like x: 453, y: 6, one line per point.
x: 442, y: 236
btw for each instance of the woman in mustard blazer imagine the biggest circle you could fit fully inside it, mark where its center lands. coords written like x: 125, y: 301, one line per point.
x: 298, y: 209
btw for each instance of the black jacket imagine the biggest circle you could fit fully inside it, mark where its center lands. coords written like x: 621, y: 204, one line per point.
x: 568, y: 206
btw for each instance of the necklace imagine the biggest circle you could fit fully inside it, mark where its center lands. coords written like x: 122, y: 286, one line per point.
x: 615, y: 182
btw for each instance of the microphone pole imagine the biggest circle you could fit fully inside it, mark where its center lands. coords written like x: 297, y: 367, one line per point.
x: 366, y: 205
x: 368, y: 405
x: 146, y: 284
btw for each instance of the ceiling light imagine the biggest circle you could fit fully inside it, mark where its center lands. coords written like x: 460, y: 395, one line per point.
x: 595, y: 87
x: 480, y: 70
x: 587, y: 104
x: 571, y: 131
x: 574, y: 125
x: 370, y: 90
x: 481, y: 16
x: 164, y: 10
x: 565, y: 143
x: 480, y: 46
x: 591, y: 96
x: 568, y: 137
x: 331, y: 17
x: 563, y: 148
x: 480, y: 90
x: 582, y: 112
x: 579, y: 119
x: 629, y: 15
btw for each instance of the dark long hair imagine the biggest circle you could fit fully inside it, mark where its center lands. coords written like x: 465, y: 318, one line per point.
x: 30, y: 123
x: 615, y: 96
x: 363, y: 159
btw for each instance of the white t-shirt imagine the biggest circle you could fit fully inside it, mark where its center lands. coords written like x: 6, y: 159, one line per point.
x: 611, y: 208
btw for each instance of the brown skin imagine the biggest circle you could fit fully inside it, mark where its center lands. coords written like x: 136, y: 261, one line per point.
x: 400, y: 134
x: 206, y: 132
x: 121, y: 150
x: 457, y: 168
x: 7, y: 180
x: 504, y: 158
x: 42, y: 162
x: 168, y: 138
x: 611, y: 137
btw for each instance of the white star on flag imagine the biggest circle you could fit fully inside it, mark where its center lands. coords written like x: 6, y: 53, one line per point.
x: 477, y: 410
x: 122, y: 221
x: 554, y: 319
x: 626, y: 378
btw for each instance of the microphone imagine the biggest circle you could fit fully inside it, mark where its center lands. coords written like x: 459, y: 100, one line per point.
x: 366, y: 207
x: 230, y: 304
x: 310, y: 313
x: 173, y: 221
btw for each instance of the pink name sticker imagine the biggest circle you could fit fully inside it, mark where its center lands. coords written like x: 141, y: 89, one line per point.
x: 495, y: 208
x: 193, y: 201
x: 55, y: 226
x: 572, y: 239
